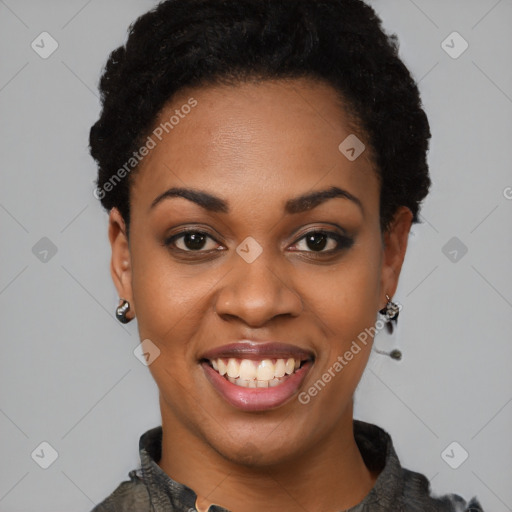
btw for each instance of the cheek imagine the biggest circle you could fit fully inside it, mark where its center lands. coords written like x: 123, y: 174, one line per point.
x: 349, y: 314
x: 169, y: 312
x: 346, y: 301
x: 167, y: 295
x: 348, y: 294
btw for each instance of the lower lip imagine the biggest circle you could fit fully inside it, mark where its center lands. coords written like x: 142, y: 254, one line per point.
x: 256, y: 399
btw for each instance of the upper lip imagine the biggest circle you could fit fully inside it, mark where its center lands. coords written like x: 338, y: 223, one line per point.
x: 247, y: 349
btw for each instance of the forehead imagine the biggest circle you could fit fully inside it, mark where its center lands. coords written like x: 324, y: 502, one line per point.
x: 273, y: 138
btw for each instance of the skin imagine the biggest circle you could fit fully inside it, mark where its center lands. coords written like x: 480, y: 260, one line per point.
x: 256, y: 145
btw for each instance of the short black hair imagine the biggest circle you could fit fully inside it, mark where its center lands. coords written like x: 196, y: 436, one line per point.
x: 189, y: 43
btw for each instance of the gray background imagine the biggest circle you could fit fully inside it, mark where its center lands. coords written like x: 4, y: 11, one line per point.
x: 68, y: 373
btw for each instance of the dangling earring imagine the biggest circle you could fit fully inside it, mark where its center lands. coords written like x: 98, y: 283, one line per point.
x: 121, y: 311
x: 390, y: 311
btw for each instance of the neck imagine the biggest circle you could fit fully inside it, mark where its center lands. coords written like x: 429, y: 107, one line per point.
x: 328, y: 476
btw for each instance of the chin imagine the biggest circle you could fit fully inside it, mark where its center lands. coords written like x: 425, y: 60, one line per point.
x: 259, y: 451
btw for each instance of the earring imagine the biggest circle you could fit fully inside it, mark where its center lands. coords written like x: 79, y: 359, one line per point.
x: 121, y: 311
x: 394, y: 354
x: 390, y: 311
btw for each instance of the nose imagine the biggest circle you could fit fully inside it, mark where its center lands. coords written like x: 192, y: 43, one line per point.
x: 257, y: 292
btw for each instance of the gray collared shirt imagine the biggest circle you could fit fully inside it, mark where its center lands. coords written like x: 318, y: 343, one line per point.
x: 396, y: 489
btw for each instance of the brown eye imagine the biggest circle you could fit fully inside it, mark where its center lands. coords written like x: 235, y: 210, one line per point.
x: 190, y: 241
x: 317, y: 241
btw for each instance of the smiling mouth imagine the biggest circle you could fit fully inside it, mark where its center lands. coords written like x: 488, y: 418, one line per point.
x: 261, y: 373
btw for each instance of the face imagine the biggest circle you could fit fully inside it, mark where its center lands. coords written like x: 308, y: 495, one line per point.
x: 268, y: 266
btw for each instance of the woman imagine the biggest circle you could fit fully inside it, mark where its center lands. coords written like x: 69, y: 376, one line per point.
x: 262, y: 163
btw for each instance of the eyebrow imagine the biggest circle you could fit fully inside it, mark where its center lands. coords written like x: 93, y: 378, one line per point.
x: 295, y: 205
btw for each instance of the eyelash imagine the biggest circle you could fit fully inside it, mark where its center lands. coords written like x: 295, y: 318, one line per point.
x: 343, y: 241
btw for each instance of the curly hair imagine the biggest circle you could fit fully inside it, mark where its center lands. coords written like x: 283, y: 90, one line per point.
x: 195, y: 43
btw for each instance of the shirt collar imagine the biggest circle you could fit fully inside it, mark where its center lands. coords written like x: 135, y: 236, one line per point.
x: 374, y: 443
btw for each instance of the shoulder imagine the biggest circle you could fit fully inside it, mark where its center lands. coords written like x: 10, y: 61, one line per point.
x: 418, y: 497
x: 129, y: 496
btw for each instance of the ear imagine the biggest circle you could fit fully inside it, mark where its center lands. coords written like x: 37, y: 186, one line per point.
x: 394, y: 245
x: 120, y: 264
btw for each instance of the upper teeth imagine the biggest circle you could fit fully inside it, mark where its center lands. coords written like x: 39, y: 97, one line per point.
x: 247, y: 369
